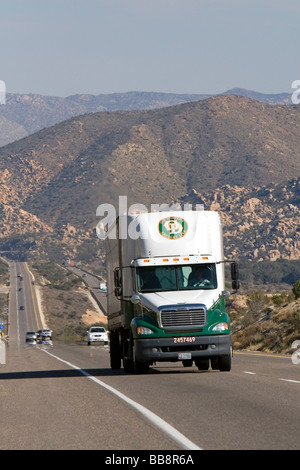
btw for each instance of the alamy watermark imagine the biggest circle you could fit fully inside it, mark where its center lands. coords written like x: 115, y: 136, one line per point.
x: 296, y: 93
x: 172, y: 227
x: 296, y: 354
x: 2, y: 92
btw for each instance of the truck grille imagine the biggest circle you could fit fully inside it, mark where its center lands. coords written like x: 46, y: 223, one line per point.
x: 183, y: 317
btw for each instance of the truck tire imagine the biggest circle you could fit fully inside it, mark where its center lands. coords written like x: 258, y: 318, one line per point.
x: 202, y: 364
x: 115, y: 351
x: 187, y: 362
x: 128, y: 366
x: 225, y: 363
x: 127, y: 352
x: 214, y: 362
x: 141, y: 367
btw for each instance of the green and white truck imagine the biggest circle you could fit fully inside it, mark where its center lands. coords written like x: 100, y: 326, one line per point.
x: 166, y: 291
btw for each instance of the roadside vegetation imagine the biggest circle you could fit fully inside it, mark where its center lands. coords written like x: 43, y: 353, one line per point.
x: 4, y: 274
x: 266, y: 322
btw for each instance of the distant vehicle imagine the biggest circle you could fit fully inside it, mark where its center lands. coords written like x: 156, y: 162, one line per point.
x: 47, y: 341
x: 44, y: 336
x: 22, y: 307
x: 97, y: 333
x: 20, y: 288
x: 31, y: 337
x: 103, y: 286
x: 44, y: 332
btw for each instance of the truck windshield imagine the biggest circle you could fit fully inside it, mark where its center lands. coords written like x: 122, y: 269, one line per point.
x: 179, y: 277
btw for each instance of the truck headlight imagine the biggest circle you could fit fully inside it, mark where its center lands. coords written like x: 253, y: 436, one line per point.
x: 143, y: 330
x: 221, y: 327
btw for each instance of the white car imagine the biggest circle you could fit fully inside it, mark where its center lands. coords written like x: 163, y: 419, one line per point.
x: 103, y: 286
x: 97, y: 333
x: 44, y: 335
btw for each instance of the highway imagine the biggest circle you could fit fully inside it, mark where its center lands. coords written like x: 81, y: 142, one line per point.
x: 24, y: 312
x: 67, y: 397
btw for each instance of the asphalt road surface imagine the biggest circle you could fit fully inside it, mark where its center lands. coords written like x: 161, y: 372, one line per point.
x: 67, y: 397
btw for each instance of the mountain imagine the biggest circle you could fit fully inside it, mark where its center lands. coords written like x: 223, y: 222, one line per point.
x: 268, y: 98
x: 24, y: 114
x: 10, y: 131
x: 231, y: 153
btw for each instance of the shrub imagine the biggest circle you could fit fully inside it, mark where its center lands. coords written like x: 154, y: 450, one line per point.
x: 296, y: 289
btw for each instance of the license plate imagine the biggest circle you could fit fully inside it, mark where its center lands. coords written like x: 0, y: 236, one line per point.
x: 184, y: 355
x: 184, y: 339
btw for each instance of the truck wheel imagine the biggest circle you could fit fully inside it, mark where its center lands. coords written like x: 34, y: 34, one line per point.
x: 141, y: 367
x: 128, y: 365
x: 214, y: 362
x: 202, y: 364
x: 225, y: 363
x: 187, y: 363
x: 115, y: 351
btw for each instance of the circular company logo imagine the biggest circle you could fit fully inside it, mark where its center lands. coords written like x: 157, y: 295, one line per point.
x: 172, y: 227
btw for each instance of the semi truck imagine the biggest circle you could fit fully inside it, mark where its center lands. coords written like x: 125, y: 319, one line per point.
x: 166, y: 291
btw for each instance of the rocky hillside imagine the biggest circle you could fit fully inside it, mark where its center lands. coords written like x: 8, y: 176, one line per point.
x: 266, y: 325
x: 263, y: 221
x: 25, y: 114
x: 231, y: 153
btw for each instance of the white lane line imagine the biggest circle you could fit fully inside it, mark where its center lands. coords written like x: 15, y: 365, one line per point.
x: 289, y: 380
x: 284, y: 380
x: 156, y: 420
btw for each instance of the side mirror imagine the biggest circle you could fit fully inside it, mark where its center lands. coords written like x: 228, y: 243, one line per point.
x: 117, y: 277
x: 234, y: 271
x: 235, y: 275
x: 118, y: 291
x: 118, y: 282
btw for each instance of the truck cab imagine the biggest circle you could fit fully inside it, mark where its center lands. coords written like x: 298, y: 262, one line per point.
x: 166, y: 292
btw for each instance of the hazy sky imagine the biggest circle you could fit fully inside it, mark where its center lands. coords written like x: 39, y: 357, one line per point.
x: 64, y: 47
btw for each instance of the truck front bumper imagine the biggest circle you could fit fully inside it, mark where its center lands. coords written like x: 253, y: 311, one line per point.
x: 176, y: 349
